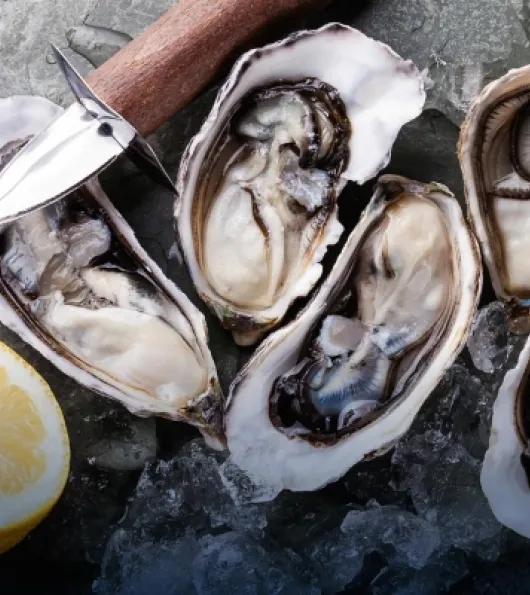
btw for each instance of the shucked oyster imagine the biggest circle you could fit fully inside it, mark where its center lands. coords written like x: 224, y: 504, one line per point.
x: 259, y: 183
x: 494, y: 153
x: 78, y: 287
x: 345, y: 380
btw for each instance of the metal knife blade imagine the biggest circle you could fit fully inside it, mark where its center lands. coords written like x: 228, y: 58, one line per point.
x: 79, y: 144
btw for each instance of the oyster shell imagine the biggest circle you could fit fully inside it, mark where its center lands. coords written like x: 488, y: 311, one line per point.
x: 494, y: 152
x: 505, y: 475
x: 345, y: 379
x: 77, y: 286
x: 259, y: 183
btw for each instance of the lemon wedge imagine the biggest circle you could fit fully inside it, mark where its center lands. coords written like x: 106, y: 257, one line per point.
x: 34, y: 449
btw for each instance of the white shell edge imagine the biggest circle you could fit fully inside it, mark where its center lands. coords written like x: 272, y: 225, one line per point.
x: 39, y: 113
x: 503, y: 479
x: 342, y: 57
x: 467, y: 140
x: 293, y: 463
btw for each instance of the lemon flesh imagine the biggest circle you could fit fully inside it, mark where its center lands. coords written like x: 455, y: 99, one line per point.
x: 34, y: 449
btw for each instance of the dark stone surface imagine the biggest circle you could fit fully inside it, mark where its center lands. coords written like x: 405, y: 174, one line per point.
x: 460, y: 45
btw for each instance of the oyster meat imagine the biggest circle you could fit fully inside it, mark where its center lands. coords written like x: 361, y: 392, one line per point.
x: 259, y: 183
x: 345, y: 380
x: 494, y: 152
x: 76, y: 284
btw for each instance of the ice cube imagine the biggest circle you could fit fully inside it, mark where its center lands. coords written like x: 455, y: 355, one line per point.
x: 488, y: 338
x: 206, y: 488
x: 135, y: 566
x: 242, y: 488
x: 336, y: 562
x: 434, y: 578
x: 158, y: 495
x: 402, y: 536
x: 233, y: 563
x: 193, y: 488
x: 442, y: 479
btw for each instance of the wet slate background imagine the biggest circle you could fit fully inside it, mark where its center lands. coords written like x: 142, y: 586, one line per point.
x: 383, y: 513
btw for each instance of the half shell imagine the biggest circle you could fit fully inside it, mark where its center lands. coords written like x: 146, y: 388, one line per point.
x: 77, y: 286
x: 344, y: 381
x: 259, y: 183
x: 494, y: 152
x: 505, y: 475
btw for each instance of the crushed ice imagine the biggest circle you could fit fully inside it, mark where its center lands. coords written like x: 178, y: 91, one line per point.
x: 196, y: 524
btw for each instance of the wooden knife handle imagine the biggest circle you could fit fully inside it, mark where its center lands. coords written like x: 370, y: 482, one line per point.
x: 180, y: 54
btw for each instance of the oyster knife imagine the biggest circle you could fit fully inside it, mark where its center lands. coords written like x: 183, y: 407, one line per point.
x: 131, y: 95
x: 79, y: 144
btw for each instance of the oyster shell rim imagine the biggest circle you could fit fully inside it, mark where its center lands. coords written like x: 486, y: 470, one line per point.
x: 503, y: 478
x: 482, y: 105
x: 270, y: 317
x: 471, y: 288
x: 80, y: 373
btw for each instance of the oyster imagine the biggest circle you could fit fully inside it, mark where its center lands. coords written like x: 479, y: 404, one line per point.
x: 344, y: 380
x: 77, y: 286
x: 494, y: 152
x: 505, y: 475
x: 259, y: 183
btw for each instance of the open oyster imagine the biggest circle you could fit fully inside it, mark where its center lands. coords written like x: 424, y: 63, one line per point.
x: 259, y: 183
x: 345, y: 380
x: 77, y: 286
x: 494, y: 152
x: 505, y: 475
